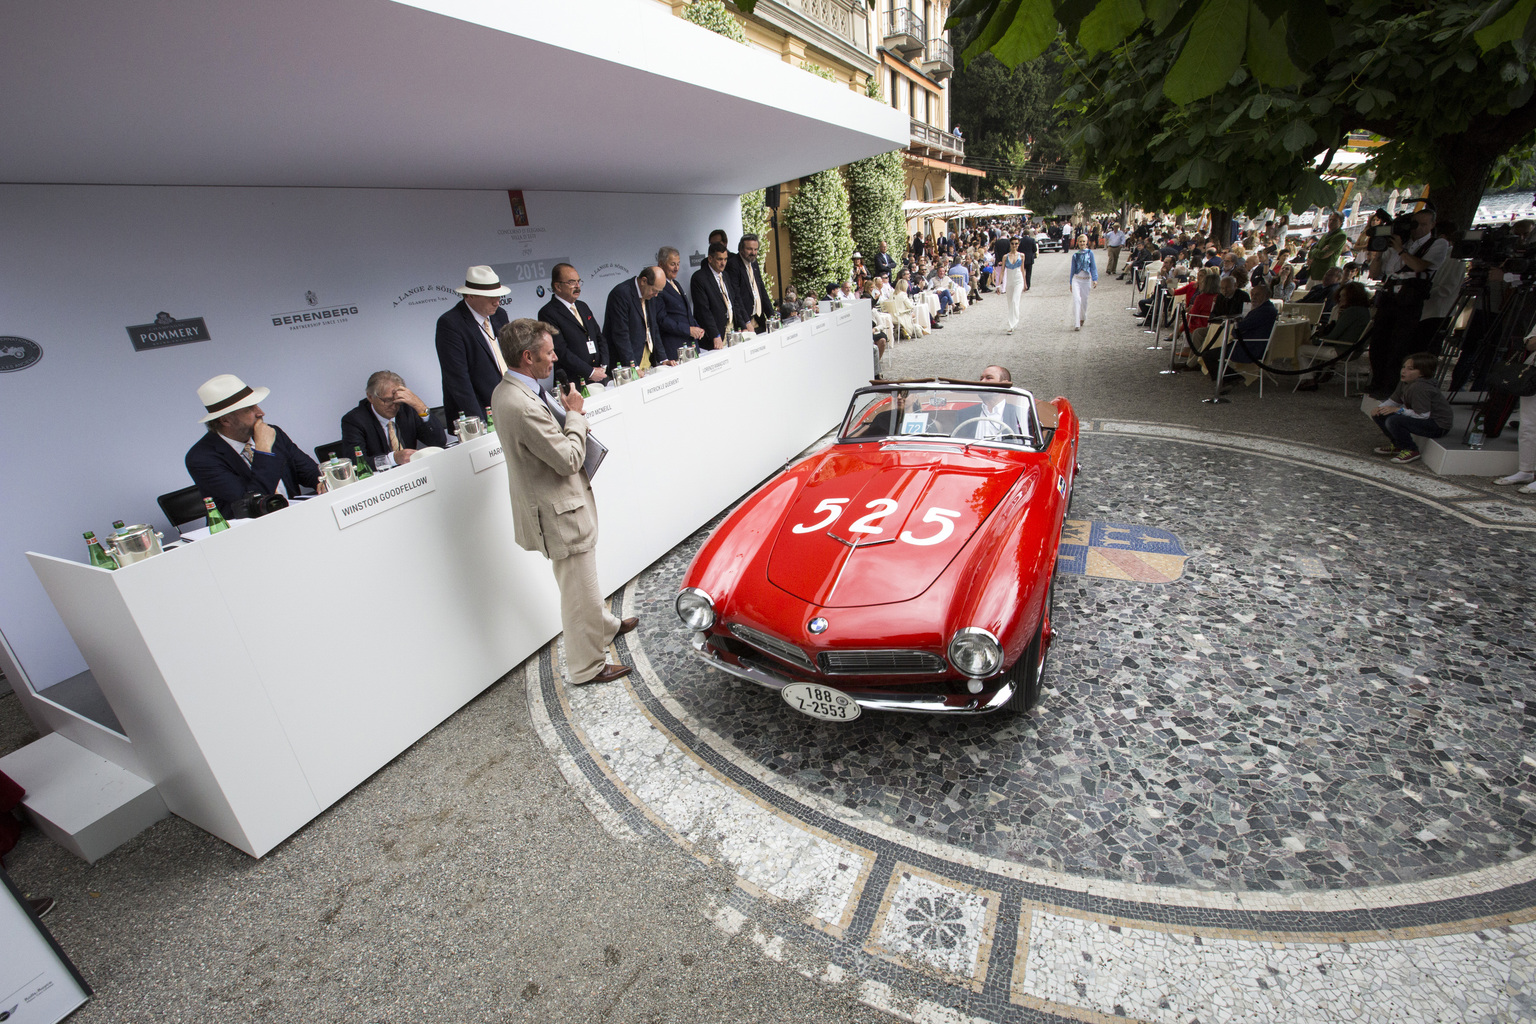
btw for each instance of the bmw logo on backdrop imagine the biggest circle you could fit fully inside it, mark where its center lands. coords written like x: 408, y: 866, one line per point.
x: 18, y: 353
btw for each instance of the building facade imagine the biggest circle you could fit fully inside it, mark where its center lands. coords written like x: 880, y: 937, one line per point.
x: 902, y: 47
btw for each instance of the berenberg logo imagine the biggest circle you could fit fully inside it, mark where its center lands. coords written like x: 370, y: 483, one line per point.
x: 18, y: 353
x: 167, y: 330
x: 300, y: 318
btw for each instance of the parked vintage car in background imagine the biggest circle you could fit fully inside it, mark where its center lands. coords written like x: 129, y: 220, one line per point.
x: 906, y: 567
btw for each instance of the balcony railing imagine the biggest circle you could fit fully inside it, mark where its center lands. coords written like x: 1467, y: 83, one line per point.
x: 939, y: 60
x: 933, y: 138
x: 904, y: 31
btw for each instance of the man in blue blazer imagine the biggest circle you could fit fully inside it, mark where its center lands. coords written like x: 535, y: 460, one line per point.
x: 631, y: 322
x: 466, y: 345
x: 241, y: 453
x: 580, y: 348
x: 678, y: 327
x: 390, y: 406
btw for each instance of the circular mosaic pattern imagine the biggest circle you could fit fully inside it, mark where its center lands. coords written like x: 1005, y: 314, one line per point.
x: 1331, y: 696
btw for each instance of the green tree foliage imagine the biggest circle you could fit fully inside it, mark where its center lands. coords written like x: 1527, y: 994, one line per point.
x: 1408, y: 72
x: 818, y: 70
x: 713, y: 15
x: 1002, y: 111
x: 819, y: 232
x: 876, y: 188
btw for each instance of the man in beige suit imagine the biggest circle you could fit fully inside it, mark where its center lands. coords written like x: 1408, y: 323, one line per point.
x: 554, y: 513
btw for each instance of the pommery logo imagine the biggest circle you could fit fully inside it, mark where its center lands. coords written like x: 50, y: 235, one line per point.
x: 18, y: 353
x: 167, y: 330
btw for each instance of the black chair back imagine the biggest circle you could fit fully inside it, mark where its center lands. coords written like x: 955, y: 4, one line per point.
x: 182, y: 506
x: 336, y: 449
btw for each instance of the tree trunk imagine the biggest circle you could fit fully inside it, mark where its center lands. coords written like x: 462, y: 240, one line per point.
x: 1458, y: 199
x: 1221, y: 228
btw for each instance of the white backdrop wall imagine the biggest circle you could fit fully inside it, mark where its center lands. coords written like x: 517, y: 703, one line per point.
x: 95, y: 429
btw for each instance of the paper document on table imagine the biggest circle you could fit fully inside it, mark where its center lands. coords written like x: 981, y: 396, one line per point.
x: 596, y: 453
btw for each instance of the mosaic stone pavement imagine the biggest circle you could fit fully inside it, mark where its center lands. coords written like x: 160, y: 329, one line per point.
x: 1308, y: 760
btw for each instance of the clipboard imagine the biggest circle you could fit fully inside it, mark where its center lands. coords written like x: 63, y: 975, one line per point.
x: 596, y: 453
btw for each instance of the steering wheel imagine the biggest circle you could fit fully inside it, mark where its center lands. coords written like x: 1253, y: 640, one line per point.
x: 987, y: 417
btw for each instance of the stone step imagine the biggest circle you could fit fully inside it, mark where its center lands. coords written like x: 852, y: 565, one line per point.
x: 1449, y: 455
x: 83, y: 802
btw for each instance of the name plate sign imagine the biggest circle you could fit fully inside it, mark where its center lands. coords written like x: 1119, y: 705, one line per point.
x: 601, y: 406
x: 714, y: 365
x: 756, y: 349
x: 484, y: 457
x: 820, y: 325
x: 402, y: 485
x: 843, y: 316
x: 659, y: 386
x: 789, y: 337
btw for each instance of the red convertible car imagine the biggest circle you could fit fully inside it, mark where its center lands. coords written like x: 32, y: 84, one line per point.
x: 906, y: 567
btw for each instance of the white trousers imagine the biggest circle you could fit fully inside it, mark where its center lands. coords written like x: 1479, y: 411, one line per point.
x: 1527, y: 436
x: 1013, y: 285
x: 1080, y: 286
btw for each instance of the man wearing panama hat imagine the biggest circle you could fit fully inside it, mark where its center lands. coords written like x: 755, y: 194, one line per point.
x: 466, y: 345
x: 242, y: 453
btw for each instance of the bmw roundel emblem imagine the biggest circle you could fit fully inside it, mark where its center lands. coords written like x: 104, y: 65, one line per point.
x: 817, y: 625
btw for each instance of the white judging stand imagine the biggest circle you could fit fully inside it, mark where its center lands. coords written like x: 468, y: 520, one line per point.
x: 255, y: 673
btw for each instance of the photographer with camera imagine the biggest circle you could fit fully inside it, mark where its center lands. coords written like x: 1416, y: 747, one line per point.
x: 1410, y: 256
x: 242, y: 453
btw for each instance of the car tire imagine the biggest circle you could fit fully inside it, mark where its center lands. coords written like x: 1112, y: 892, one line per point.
x: 1027, y: 674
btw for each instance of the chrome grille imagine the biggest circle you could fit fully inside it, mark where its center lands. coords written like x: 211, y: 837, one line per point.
x: 771, y: 644
x: 879, y: 662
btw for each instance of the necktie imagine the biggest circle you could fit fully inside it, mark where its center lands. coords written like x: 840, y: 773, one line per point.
x: 485, y: 327
x: 248, y: 453
x: 645, y: 314
x: 394, y: 439
x: 554, y: 406
x: 757, y: 297
x: 725, y: 293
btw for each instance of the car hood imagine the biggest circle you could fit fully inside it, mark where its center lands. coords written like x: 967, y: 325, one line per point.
x: 901, y: 517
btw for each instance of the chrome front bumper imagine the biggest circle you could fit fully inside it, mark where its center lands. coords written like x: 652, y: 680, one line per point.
x: 926, y: 704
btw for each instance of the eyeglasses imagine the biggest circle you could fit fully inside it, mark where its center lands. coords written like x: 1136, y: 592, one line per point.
x: 571, y: 280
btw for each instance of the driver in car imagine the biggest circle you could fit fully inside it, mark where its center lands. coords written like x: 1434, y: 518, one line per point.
x: 997, y: 415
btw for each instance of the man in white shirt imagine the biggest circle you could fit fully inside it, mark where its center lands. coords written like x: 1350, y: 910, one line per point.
x: 1408, y: 269
x: 466, y: 344
x: 1113, y: 241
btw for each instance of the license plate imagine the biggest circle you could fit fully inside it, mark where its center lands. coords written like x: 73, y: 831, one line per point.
x: 821, y: 702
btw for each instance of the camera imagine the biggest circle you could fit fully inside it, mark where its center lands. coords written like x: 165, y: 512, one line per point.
x: 254, y: 506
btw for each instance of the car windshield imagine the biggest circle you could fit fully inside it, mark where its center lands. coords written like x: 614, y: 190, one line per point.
x: 961, y: 414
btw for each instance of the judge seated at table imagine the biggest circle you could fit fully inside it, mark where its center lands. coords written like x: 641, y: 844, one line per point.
x: 242, y: 453
x: 392, y: 421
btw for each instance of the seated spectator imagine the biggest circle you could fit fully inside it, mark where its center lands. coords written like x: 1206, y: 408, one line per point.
x: 1325, y: 290
x: 1250, y: 335
x: 1344, y: 330
x: 835, y: 291
x: 1197, y: 314
x: 1284, y: 284
x: 1417, y: 408
x: 902, y: 309
x: 391, y: 421
x: 241, y: 453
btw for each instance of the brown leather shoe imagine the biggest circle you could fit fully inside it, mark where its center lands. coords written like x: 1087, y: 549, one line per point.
x: 609, y: 673
x: 628, y: 625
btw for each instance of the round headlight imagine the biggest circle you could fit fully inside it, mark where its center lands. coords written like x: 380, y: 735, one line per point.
x: 975, y: 652
x: 695, y: 608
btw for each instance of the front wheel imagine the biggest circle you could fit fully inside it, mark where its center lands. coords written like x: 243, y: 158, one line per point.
x: 1028, y: 672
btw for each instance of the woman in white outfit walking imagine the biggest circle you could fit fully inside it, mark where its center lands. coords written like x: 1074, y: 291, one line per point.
x: 1013, y: 281
x: 1083, y: 275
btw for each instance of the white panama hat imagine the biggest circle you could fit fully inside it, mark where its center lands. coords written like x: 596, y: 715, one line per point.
x: 225, y: 393
x: 482, y: 280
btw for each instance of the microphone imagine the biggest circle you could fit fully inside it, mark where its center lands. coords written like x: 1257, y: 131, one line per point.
x: 562, y: 383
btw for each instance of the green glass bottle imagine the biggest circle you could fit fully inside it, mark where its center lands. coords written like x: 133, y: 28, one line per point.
x: 583, y: 389
x: 490, y: 423
x: 364, y: 471
x: 99, y: 558
x: 216, y: 521
x: 118, y: 526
